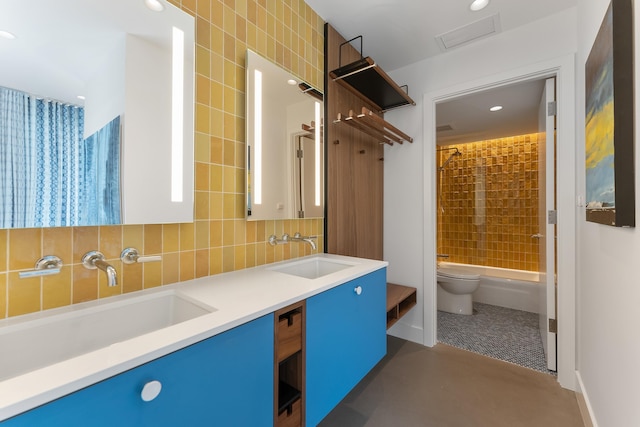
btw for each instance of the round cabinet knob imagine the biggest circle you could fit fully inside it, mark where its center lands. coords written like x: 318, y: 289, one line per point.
x: 151, y: 390
x: 357, y: 290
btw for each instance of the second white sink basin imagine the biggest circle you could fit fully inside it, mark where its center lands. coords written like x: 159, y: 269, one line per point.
x: 48, y: 339
x: 312, y: 268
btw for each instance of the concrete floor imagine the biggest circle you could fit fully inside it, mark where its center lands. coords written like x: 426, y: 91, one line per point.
x: 447, y: 387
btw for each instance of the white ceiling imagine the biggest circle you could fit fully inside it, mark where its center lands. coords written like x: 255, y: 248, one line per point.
x: 471, y: 120
x: 397, y: 33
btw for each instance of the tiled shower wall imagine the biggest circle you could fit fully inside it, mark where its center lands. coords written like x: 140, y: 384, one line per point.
x: 289, y: 33
x: 488, y: 203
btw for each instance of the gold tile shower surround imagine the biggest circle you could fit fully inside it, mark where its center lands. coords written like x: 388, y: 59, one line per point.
x: 488, y: 205
x: 289, y: 33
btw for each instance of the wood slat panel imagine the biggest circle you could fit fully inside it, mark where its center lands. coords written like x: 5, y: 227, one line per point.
x: 354, y: 168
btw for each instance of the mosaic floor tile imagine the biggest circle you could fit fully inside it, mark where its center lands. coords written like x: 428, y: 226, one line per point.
x: 498, y: 332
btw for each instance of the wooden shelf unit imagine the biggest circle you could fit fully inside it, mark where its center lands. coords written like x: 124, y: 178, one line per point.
x: 289, y: 366
x: 367, y: 80
x: 400, y: 299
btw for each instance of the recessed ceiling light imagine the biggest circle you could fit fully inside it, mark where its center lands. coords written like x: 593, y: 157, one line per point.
x: 292, y: 82
x: 496, y: 108
x: 7, y: 35
x: 478, y: 5
x: 154, y: 5
x: 81, y: 97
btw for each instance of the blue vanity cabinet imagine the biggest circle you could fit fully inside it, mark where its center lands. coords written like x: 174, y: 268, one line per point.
x: 226, y: 380
x: 345, y: 339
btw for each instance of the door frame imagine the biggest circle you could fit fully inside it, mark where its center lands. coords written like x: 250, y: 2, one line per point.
x: 546, y: 230
x: 563, y: 68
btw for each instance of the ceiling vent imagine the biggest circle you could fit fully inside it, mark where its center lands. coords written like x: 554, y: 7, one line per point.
x: 469, y: 33
x: 443, y: 128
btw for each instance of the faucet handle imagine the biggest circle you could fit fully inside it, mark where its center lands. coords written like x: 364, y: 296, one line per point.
x: 45, y: 266
x: 132, y: 256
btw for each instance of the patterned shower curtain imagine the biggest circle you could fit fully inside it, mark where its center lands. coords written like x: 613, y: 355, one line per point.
x: 102, y: 172
x: 60, y: 155
x: 48, y: 173
x: 17, y: 161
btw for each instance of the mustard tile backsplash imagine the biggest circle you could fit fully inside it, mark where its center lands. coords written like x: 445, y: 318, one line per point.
x: 289, y: 33
x: 488, y: 203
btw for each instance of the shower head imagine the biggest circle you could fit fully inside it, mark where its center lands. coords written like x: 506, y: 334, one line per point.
x: 455, y: 153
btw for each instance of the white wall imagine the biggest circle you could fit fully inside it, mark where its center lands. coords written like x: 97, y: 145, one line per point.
x: 104, y: 91
x: 146, y: 146
x: 608, y: 305
x: 406, y: 178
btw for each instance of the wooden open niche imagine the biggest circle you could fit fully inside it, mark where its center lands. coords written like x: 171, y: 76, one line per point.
x: 289, y: 381
x: 400, y: 299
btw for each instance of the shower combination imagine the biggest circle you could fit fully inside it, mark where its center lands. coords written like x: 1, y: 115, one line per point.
x: 455, y: 153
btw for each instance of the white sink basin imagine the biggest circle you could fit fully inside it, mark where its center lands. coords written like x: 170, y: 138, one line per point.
x: 48, y: 339
x: 312, y: 268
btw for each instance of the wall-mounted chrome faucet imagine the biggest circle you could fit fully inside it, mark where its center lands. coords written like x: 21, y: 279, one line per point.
x: 95, y: 259
x: 297, y: 237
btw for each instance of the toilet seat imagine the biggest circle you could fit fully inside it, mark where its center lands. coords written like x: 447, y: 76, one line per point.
x: 457, y: 273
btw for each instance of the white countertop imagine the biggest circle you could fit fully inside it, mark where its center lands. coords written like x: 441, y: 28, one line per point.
x: 239, y: 297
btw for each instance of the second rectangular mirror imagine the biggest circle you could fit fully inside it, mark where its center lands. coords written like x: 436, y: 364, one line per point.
x: 285, y: 149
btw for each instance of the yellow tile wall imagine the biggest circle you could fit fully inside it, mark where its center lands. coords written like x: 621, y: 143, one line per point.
x: 289, y: 33
x: 488, y: 203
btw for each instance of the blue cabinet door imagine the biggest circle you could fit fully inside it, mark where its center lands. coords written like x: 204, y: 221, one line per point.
x: 226, y: 380
x: 346, y: 338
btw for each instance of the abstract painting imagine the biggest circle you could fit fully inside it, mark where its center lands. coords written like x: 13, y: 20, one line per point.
x: 610, y: 193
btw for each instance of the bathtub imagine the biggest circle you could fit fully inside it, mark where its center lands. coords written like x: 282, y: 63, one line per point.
x: 504, y: 287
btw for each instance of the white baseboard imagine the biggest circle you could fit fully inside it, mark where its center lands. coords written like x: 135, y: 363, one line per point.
x: 407, y: 332
x: 586, y: 411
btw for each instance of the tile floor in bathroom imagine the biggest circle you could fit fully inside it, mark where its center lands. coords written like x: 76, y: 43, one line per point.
x: 498, y: 332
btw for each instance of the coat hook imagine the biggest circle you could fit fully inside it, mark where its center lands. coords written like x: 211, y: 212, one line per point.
x: 336, y: 142
x: 381, y: 159
x: 362, y: 151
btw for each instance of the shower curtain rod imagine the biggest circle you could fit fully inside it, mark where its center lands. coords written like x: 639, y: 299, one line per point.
x: 44, y: 98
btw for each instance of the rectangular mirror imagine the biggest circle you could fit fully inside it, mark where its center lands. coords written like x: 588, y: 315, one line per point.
x: 115, y: 73
x: 285, y: 148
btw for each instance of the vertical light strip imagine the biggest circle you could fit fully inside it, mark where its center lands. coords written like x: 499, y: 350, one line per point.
x: 177, y: 114
x: 257, y: 137
x: 317, y: 153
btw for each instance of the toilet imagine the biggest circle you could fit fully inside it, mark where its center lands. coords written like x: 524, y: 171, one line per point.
x: 455, y: 286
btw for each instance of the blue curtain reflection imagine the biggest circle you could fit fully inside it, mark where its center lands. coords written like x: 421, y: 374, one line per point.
x: 17, y: 161
x: 49, y: 174
x: 59, y: 153
x: 102, y: 170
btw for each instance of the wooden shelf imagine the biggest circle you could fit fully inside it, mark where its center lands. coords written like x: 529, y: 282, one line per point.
x: 373, y: 125
x: 400, y: 299
x: 367, y: 80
